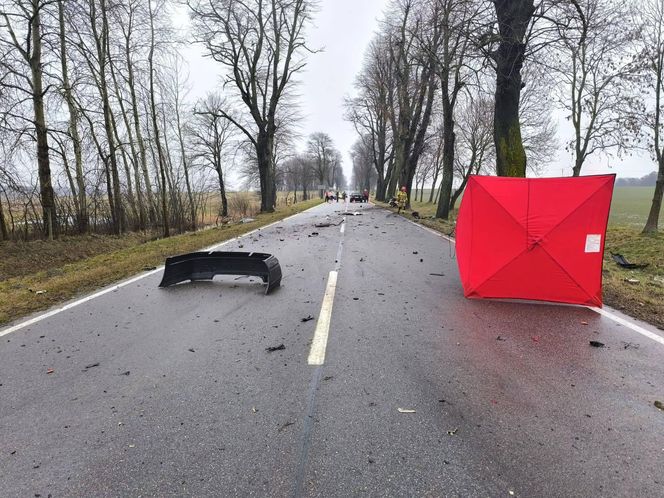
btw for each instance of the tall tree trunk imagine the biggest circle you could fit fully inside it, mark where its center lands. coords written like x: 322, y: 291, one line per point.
x: 139, y: 135
x: 82, y: 209
x: 102, y: 43
x: 3, y: 223
x: 449, y: 138
x: 46, y: 193
x: 185, y: 169
x: 656, y: 206
x: 138, y: 206
x: 266, y: 172
x: 513, y: 19
x: 155, y: 125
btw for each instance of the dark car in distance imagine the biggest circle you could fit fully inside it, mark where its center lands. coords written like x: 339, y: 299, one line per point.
x: 356, y: 197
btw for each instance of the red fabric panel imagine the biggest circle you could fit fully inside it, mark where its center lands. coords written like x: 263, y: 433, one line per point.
x: 540, y: 239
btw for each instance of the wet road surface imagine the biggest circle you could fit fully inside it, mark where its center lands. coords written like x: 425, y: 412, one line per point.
x: 171, y: 392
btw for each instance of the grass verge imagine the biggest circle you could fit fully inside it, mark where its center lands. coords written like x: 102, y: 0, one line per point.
x: 20, y: 294
x: 638, y: 293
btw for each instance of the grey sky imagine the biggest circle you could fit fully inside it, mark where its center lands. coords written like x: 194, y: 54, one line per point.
x: 343, y: 29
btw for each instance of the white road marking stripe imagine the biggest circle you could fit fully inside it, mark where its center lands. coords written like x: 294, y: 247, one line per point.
x: 49, y: 314
x: 343, y: 226
x: 100, y: 293
x: 319, y: 344
x: 628, y: 324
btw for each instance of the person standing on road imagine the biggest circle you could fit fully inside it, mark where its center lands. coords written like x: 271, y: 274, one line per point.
x: 402, y: 199
x: 337, y: 196
x: 365, y: 195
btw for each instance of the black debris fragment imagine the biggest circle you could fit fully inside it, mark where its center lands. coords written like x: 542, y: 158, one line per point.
x: 271, y: 349
x: 620, y: 259
x: 91, y: 365
x: 596, y: 344
x: 659, y: 405
x: 307, y: 319
x: 313, y: 234
x: 287, y: 424
x: 149, y: 268
x: 437, y: 274
x: 126, y: 373
x: 500, y: 338
x: 191, y: 350
x: 328, y: 377
x: 415, y: 252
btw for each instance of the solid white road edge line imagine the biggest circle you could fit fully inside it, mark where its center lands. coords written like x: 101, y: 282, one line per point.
x: 632, y: 326
x: 628, y: 324
x: 115, y: 287
x: 319, y: 343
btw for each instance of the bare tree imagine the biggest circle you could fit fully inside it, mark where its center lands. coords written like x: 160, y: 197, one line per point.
x: 598, y: 71
x: 370, y: 110
x: 513, y: 18
x: 415, y: 40
x: 653, y: 53
x: 455, y: 18
x: 23, y: 71
x: 211, y: 134
x: 260, y: 42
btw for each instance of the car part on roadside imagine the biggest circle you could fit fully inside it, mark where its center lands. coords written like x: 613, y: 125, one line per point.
x: 205, y: 265
x: 620, y: 259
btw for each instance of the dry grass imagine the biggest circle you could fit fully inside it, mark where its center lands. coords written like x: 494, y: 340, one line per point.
x: 643, y: 299
x: 96, y: 267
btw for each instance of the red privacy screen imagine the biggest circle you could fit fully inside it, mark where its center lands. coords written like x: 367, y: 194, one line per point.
x: 534, y: 238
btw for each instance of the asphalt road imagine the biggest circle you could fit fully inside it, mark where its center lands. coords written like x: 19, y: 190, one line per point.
x: 171, y: 392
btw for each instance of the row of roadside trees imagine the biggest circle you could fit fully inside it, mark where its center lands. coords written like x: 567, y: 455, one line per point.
x: 455, y: 87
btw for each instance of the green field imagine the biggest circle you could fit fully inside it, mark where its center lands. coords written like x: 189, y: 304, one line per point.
x: 631, y: 205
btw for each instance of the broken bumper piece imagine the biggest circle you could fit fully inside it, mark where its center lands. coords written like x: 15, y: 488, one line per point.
x: 205, y: 265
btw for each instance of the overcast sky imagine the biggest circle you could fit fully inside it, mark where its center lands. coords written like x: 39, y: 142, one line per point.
x: 343, y: 29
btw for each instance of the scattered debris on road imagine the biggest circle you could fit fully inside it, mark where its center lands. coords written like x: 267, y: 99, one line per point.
x: 306, y: 319
x: 453, y: 432
x: 535, y: 338
x: 149, y: 268
x: 406, y: 410
x: 313, y: 234
x: 596, y: 344
x: 254, y: 409
x: 126, y: 373
x: 50, y: 371
x: 91, y: 365
x: 191, y: 350
x: 287, y: 424
x: 437, y: 274
x: 500, y: 338
x: 415, y: 252
x: 328, y: 377
x: 584, y: 323
x: 271, y: 349
x: 630, y: 345
x: 659, y: 405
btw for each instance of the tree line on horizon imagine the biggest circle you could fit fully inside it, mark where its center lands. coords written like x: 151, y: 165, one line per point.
x: 98, y: 132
